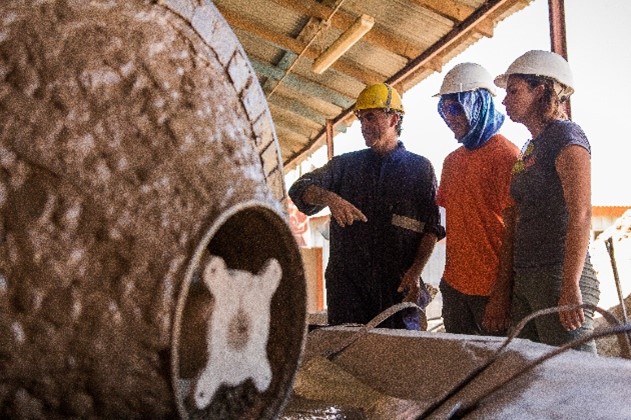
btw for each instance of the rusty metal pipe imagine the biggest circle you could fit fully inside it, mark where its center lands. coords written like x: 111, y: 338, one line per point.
x: 614, y: 267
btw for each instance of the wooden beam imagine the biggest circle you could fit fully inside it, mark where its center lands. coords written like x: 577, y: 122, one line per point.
x: 342, y: 20
x: 362, y: 74
x: 435, y: 64
x: 287, y: 134
x: 486, y: 28
x: 456, y: 12
x: 295, y: 46
x: 291, y: 141
x: 287, y: 60
x: 261, y: 31
x: 298, y: 108
x: 300, y: 83
x: 317, y: 104
x: 299, y: 123
x: 329, y: 140
x: 343, y: 43
x: 449, y: 9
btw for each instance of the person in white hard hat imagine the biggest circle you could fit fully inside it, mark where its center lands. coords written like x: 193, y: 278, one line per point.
x: 551, y: 187
x: 473, y: 190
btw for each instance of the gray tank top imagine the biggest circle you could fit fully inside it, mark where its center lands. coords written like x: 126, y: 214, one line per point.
x: 536, y: 187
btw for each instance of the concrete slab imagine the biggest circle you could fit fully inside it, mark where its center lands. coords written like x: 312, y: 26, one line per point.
x: 398, y: 374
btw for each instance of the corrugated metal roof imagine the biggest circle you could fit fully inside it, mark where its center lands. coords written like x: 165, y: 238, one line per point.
x: 409, y: 41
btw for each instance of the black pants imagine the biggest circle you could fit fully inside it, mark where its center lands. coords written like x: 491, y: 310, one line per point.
x: 462, y: 314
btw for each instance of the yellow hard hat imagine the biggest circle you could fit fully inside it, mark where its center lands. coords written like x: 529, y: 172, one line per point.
x: 381, y: 96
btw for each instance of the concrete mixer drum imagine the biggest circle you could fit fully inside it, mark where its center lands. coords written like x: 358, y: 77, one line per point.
x: 147, y: 269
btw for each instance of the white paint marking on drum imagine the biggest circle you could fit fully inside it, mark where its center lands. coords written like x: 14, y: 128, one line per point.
x: 238, y: 328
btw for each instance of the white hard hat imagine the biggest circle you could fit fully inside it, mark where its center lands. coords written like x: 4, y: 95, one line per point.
x: 541, y: 63
x: 465, y: 77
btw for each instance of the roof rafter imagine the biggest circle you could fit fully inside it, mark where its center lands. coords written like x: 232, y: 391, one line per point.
x: 295, y: 46
x: 299, y: 109
x: 298, y: 123
x: 303, y: 84
x: 456, y: 12
x: 342, y: 20
x: 449, y: 9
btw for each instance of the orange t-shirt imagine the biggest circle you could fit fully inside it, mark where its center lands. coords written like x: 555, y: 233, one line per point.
x: 474, y: 190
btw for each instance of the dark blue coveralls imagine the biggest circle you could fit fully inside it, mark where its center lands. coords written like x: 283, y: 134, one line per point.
x: 368, y: 260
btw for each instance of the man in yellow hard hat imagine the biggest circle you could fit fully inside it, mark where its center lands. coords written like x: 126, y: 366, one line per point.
x: 386, y: 221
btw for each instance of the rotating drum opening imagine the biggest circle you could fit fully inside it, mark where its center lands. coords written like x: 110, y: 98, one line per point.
x: 240, y: 321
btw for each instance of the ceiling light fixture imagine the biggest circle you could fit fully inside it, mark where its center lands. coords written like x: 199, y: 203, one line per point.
x: 357, y: 30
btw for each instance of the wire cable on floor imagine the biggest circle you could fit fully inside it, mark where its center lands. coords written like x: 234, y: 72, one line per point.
x: 617, y: 328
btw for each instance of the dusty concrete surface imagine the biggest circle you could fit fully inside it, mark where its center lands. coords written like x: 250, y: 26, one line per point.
x: 397, y: 374
x: 128, y: 132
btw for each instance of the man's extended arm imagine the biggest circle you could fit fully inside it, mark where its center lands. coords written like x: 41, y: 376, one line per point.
x: 342, y: 211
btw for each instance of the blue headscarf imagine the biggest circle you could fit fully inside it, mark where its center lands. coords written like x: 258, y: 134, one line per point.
x: 484, y: 119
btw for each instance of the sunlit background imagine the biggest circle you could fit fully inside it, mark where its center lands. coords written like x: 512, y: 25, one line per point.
x: 598, y: 52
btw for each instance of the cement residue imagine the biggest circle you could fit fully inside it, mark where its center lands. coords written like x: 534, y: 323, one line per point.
x: 303, y: 409
x: 401, y: 374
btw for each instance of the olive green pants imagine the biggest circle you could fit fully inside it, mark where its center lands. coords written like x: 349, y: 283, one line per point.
x: 540, y: 288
